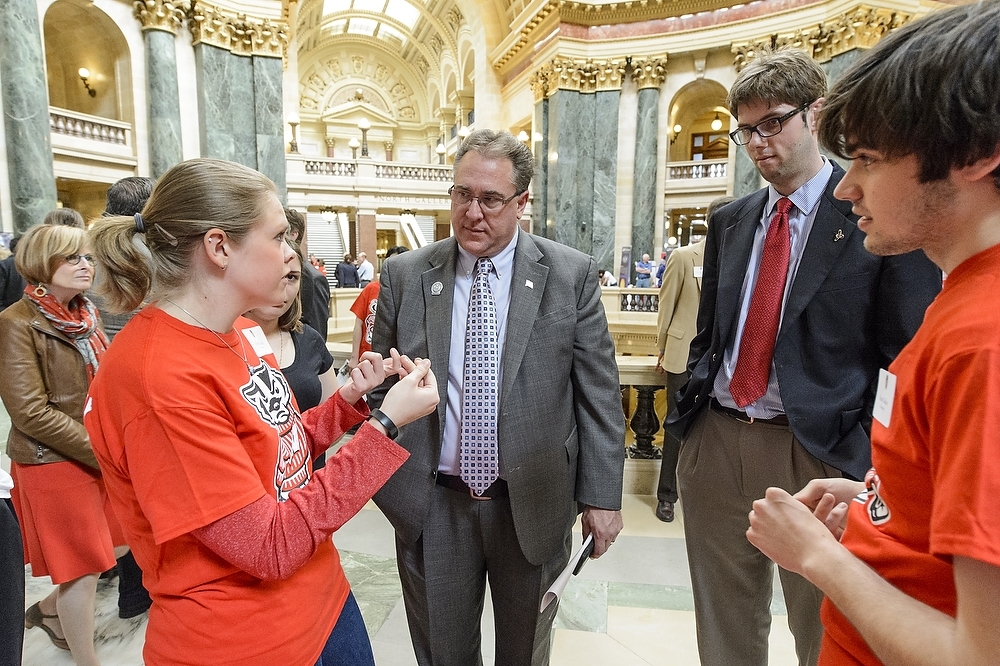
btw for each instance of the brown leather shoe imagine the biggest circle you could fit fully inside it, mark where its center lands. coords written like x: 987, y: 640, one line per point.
x: 665, y: 511
x: 33, y: 617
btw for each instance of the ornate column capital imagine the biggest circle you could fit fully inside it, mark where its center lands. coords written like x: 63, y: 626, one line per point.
x: 649, y: 72
x: 237, y: 33
x: 585, y: 76
x: 159, y: 14
x: 860, y: 27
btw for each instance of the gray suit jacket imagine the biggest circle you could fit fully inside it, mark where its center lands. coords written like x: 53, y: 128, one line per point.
x: 561, y: 426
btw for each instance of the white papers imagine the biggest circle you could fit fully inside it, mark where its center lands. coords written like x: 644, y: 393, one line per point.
x: 558, y: 587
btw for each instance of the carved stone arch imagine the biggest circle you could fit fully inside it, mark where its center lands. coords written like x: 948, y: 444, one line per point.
x: 692, y: 107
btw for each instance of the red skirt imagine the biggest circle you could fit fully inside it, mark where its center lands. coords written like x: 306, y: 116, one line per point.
x: 67, y: 525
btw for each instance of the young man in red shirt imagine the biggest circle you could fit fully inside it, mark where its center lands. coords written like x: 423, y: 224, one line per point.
x: 915, y: 576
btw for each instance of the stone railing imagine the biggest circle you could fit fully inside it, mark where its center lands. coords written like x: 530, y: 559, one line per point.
x: 439, y: 173
x: 639, y: 372
x: 639, y: 301
x: 331, y: 168
x: 71, y: 123
x: 697, y: 169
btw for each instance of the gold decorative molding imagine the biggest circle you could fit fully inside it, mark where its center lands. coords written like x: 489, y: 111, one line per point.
x: 237, y: 33
x: 861, y: 27
x: 159, y: 14
x: 649, y: 72
x: 585, y: 76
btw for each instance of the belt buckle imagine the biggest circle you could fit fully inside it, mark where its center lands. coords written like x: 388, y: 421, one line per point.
x: 479, y: 498
x: 748, y: 422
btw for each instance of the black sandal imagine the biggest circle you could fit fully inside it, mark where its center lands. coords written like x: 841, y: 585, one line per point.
x: 33, y: 617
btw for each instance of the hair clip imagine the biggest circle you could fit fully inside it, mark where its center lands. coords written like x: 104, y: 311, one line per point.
x: 171, y: 239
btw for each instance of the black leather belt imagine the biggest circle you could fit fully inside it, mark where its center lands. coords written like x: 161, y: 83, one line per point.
x: 779, y: 420
x: 451, y: 482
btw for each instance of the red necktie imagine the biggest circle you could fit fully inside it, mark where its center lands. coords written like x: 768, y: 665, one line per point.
x: 753, y: 365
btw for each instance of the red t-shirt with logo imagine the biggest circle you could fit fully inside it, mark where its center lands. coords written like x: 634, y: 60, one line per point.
x: 364, y: 309
x: 933, y: 490
x: 186, y: 434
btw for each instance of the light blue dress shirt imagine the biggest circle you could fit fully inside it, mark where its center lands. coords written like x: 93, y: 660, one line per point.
x: 500, y: 283
x: 805, y: 202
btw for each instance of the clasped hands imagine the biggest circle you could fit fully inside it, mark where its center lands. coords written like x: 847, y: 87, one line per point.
x: 790, y: 529
x: 413, y: 396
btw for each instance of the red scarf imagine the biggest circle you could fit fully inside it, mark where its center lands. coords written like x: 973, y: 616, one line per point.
x: 78, y: 323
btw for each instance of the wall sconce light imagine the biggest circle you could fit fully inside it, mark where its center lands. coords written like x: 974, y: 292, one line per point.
x: 293, y: 122
x: 522, y: 136
x: 364, y: 125
x: 717, y: 123
x: 354, y: 144
x: 440, y: 150
x: 463, y: 132
x: 84, y: 75
x: 328, y: 214
x: 677, y: 131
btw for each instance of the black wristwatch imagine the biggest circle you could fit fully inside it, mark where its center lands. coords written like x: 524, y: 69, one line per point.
x: 391, y: 431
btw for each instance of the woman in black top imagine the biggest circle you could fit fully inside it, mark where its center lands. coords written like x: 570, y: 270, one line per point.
x: 300, y: 351
x: 347, y: 273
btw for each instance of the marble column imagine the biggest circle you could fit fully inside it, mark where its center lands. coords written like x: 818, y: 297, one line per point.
x: 583, y: 218
x: 215, y: 101
x: 540, y: 147
x: 242, y: 113
x: 564, y: 137
x: 268, y: 120
x: 160, y: 20
x: 746, y: 178
x: 26, y: 114
x: 649, y: 74
x: 605, y: 176
x: 164, y: 103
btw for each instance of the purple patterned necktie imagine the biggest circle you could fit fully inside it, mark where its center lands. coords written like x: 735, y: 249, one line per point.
x: 478, y: 459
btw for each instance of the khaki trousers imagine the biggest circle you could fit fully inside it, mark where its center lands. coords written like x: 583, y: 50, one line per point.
x: 724, y: 465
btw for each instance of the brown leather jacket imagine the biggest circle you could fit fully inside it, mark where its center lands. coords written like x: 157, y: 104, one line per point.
x: 44, y: 389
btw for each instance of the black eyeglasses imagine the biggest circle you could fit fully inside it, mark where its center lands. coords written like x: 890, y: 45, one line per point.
x: 74, y: 259
x: 489, y: 202
x: 765, y: 128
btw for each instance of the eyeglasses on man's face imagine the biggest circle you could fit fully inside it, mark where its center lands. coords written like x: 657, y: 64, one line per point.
x: 765, y: 128
x: 74, y: 259
x: 488, y: 202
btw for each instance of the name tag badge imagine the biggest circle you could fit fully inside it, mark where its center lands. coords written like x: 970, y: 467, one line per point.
x: 697, y: 271
x: 255, y: 336
x: 884, y: 397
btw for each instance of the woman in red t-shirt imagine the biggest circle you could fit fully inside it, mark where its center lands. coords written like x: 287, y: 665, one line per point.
x: 205, y: 457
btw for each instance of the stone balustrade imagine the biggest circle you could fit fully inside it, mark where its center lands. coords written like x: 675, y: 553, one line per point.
x: 697, y: 169
x: 71, y: 123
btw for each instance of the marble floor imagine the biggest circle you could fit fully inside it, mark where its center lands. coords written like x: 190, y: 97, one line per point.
x: 632, y: 607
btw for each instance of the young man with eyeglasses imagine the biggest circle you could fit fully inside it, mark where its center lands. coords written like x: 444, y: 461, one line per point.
x: 515, y: 326
x: 915, y: 577
x: 795, y: 320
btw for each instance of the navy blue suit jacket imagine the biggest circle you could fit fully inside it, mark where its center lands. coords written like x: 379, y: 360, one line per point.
x: 848, y: 314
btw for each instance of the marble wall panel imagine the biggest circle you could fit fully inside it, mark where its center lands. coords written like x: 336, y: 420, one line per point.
x: 564, y: 133
x: 605, y: 177
x: 164, y: 104
x: 215, y: 101
x: 586, y: 142
x: 746, y: 178
x: 539, y: 187
x: 269, y: 120
x: 242, y: 110
x: 26, y: 114
x: 644, y: 187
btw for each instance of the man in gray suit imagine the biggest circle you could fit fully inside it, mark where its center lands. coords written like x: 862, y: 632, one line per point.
x: 555, y: 408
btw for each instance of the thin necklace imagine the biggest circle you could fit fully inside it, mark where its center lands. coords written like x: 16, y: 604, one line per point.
x: 228, y: 346
x: 281, y: 348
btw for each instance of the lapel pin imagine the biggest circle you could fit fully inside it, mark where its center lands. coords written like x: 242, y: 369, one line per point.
x: 838, y: 236
x: 529, y: 284
x: 436, y: 289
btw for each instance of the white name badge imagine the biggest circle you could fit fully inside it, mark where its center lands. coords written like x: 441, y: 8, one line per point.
x: 882, y: 411
x: 698, y: 271
x: 255, y: 336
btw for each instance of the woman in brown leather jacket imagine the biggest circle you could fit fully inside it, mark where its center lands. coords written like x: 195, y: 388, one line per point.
x: 50, y: 345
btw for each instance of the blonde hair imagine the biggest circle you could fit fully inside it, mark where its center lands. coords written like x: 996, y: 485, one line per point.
x: 188, y: 200
x: 44, y: 247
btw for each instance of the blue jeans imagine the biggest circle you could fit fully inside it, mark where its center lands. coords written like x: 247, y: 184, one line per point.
x: 348, y: 644
x: 642, y: 281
